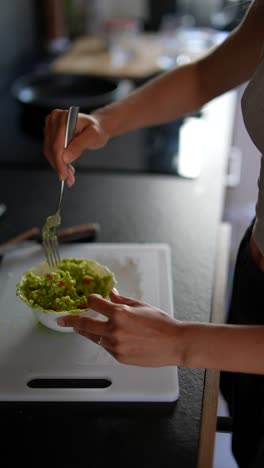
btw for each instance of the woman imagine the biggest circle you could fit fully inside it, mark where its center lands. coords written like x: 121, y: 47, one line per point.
x: 134, y: 328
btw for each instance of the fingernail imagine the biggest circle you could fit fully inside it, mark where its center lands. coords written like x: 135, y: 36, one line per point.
x: 70, y: 184
x: 68, y: 157
x: 61, y: 322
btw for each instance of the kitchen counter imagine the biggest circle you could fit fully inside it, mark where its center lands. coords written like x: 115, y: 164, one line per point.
x: 184, y: 213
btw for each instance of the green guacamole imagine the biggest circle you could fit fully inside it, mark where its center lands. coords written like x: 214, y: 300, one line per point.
x: 67, y: 288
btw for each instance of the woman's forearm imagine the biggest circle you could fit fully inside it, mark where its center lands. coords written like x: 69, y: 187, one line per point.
x: 160, y: 100
x: 185, y: 89
x: 223, y: 347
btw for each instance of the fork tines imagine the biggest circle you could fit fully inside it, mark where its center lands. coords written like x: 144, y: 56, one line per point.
x: 51, y: 247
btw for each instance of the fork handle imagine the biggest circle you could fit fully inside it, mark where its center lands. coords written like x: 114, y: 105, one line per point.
x: 70, y: 127
x: 71, y: 124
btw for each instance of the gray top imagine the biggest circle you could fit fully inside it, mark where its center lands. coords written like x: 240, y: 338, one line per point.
x: 253, y: 114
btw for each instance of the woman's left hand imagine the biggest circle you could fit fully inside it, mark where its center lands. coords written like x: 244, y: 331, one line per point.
x: 134, y: 333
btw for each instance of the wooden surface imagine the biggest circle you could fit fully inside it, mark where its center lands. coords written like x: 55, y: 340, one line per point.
x: 89, y: 55
x: 212, y: 377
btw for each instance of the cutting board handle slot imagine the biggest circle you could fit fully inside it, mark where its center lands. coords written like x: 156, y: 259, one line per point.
x: 69, y: 383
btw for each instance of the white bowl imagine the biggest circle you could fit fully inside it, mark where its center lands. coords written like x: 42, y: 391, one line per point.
x: 49, y: 317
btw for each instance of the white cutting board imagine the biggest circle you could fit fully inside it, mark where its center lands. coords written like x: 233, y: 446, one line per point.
x: 29, y: 351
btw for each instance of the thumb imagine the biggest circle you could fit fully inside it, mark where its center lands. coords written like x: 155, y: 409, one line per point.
x: 90, y: 138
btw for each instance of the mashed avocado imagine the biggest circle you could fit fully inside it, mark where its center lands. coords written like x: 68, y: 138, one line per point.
x: 67, y: 288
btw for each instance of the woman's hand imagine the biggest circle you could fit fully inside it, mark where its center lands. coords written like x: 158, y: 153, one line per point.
x: 89, y: 134
x: 139, y: 334
x: 134, y: 332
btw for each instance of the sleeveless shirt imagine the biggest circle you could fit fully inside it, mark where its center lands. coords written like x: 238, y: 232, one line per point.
x: 252, y: 105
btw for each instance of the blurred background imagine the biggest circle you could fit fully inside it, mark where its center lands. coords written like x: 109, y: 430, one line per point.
x: 32, y: 27
x: 57, y: 52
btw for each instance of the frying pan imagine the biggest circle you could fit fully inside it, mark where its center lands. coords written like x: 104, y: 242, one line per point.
x: 40, y: 92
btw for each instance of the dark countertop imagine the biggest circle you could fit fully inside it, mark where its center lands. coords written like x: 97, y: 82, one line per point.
x: 129, y: 208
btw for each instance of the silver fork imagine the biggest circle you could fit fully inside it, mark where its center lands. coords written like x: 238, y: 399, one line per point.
x: 49, y: 230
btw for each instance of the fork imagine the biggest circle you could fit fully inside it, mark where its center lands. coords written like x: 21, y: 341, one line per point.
x: 49, y: 230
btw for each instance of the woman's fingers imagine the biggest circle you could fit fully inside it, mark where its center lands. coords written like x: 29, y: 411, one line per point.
x: 117, y: 299
x: 131, y: 332
x: 101, y: 305
x: 85, y: 324
x: 88, y: 134
x: 112, y: 330
x: 70, y: 178
x: 89, y: 137
x: 114, y: 310
x: 54, y: 139
x: 89, y: 324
